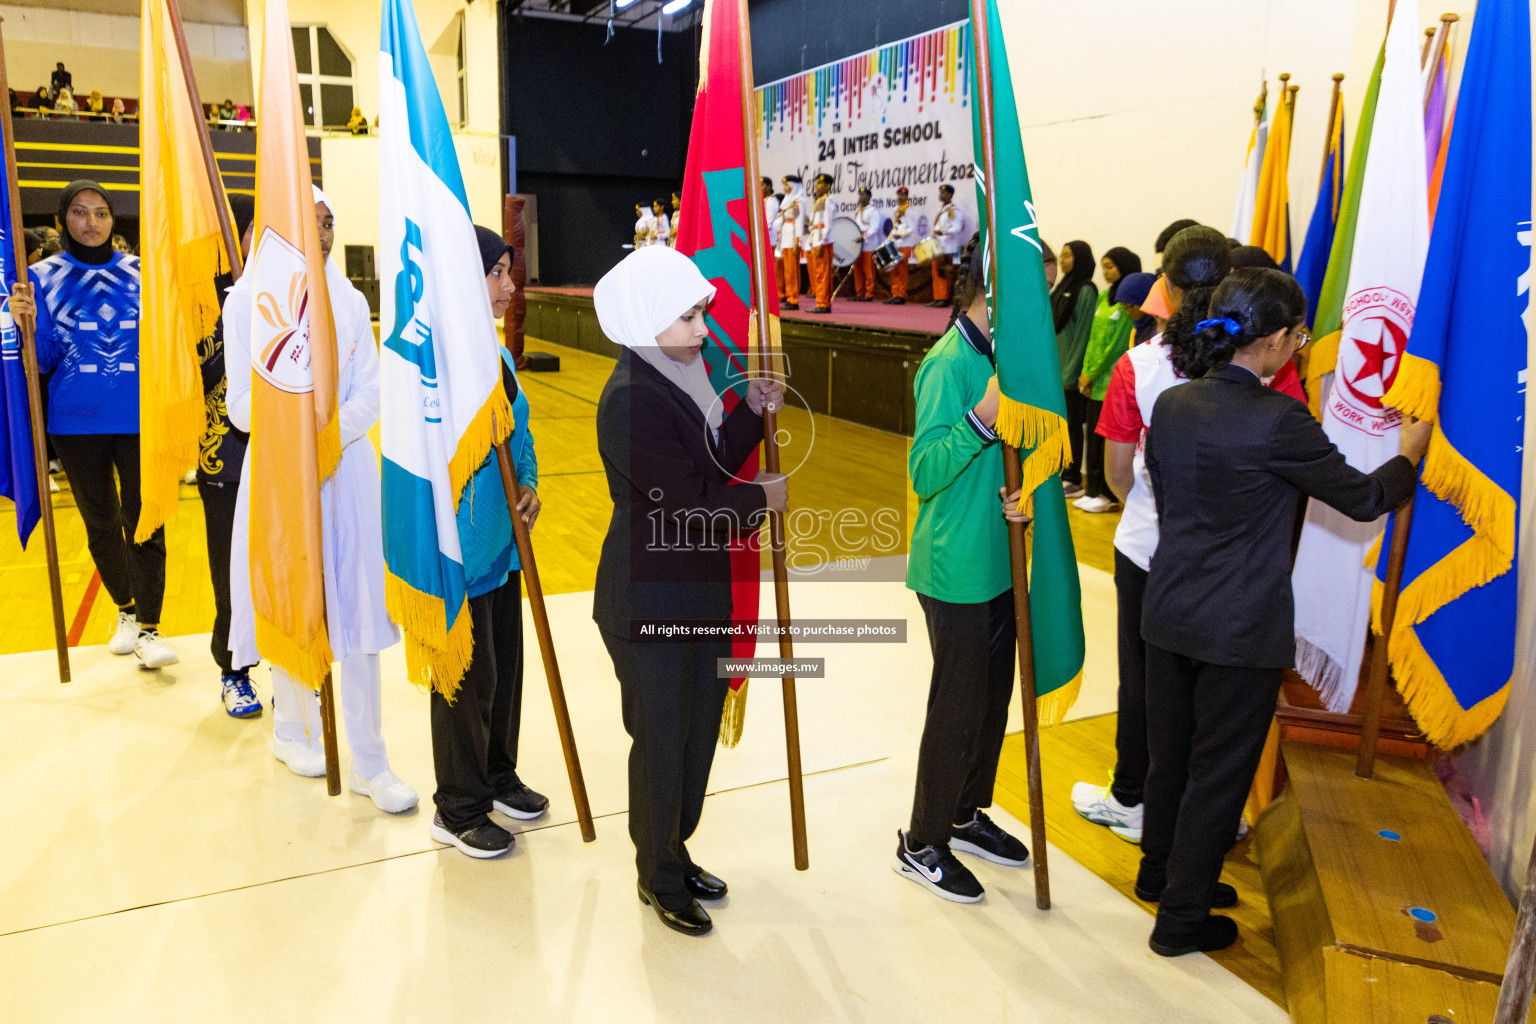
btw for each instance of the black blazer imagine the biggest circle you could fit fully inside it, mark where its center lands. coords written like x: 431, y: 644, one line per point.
x: 1229, y: 460
x: 666, y: 554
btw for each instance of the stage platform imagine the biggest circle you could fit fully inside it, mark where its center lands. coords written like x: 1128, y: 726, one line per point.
x: 856, y: 363
x: 170, y: 869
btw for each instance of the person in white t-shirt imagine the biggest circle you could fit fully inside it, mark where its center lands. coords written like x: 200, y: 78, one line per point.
x: 1194, y: 264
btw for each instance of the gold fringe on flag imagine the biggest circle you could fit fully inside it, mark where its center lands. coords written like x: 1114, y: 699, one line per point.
x: 733, y: 720
x: 1416, y: 388
x: 1052, y: 708
x: 422, y: 615
x: 1321, y: 360
x: 492, y: 425
x: 328, y: 446
x: 308, y: 665
x: 1039, y: 431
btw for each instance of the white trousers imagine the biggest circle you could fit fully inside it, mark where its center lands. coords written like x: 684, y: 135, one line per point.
x: 296, y: 712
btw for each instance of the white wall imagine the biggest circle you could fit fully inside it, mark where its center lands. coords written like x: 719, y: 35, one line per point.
x: 102, y: 52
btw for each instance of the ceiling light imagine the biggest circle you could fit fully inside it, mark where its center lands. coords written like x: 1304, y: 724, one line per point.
x: 621, y: 4
x: 673, y: 6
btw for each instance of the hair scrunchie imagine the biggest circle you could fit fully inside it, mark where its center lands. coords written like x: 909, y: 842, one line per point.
x: 1226, y: 323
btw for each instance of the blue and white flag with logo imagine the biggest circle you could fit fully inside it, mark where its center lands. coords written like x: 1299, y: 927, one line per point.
x: 440, y: 368
x: 18, y: 471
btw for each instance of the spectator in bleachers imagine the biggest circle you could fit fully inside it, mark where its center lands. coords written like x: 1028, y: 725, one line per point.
x: 117, y: 110
x: 120, y: 244
x: 64, y: 106
x: 95, y: 104
x: 41, y: 103
x: 61, y: 80
x: 227, y: 113
x: 358, y: 125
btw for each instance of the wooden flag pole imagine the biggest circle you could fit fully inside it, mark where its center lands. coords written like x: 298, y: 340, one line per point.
x: 1437, y: 55
x: 25, y: 328
x: 1333, y: 120
x: 757, y: 234
x: 1429, y: 40
x: 210, y: 163
x: 1013, y: 479
x: 1376, y: 681
x: 546, y: 643
x: 1520, y: 969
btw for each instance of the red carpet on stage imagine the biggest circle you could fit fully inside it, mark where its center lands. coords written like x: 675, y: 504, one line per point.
x: 871, y: 315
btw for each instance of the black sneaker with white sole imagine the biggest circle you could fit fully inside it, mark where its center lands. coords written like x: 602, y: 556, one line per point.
x: 522, y: 803
x: 481, y: 841
x: 937, y: 869
x: 982, y: 837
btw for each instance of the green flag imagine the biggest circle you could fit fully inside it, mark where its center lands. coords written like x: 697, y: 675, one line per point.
x: 1032, y: 409
x: 1328, y: 317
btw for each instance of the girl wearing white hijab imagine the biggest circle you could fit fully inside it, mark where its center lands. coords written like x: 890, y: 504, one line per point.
x: 671, y: 455
x: 352, y: 539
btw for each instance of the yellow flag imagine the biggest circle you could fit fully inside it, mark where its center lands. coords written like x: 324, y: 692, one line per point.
x: 1272, y: 207
x: 295, y: 442
x: 182, y: 254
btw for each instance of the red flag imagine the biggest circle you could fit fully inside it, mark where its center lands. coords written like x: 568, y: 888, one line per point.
x: 719, y: 199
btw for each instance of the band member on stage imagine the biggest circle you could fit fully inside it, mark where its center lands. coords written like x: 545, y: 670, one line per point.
x: 677, y: 219
x: 791, y: 219
x: 352, y: 540
x: 1229, y: 461
x: 218, y: 484
x: 87, y: 315
x: 950, y: 232
x: 474, y: 738
x: 661, y: 230
x: 819, y: 250
x: 669, y: 452
x: 903, y: 225
x: 771, y: 218
x: 868, y: 220
x: 643, y: 223
x: 959, y: 567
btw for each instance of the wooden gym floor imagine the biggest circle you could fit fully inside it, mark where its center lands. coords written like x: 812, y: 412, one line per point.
x: 841, y: 466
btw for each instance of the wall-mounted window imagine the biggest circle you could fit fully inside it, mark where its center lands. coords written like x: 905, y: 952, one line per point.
x: 463, y: 77
x: 325, y: 77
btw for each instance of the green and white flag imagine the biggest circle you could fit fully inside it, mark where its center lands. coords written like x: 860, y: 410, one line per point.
x: 1031, y: 411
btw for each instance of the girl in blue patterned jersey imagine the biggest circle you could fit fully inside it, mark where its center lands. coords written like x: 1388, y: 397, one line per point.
x: 87, y: 316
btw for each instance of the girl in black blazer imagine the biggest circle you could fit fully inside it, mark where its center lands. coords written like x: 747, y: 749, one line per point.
x: 671, y: 455
x: 1229, y: 459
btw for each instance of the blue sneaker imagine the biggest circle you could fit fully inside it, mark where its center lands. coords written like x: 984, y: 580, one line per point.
x: 240, y: 700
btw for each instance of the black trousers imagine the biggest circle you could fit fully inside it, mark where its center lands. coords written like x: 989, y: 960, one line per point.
x: 474, y: 739
x: 1131, y: 723
x: 1077, y: 416
x: 1094, y: 484
x: 110, y: 508
x: 672, y: 702
x: 974, y: 658
x: 1206, y: 726
x: 219, y: 522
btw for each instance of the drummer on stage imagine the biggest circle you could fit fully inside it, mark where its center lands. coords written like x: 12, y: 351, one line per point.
x: 948, y: 230
x: 868, y: 220
x: 819, y: 255
x: 903, y: 223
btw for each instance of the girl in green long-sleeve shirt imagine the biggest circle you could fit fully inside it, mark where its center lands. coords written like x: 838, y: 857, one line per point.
x: 1072, y: 304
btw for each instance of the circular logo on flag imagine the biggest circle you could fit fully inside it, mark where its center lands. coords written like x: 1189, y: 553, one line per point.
x: 1376, y: 326
x: 279, y: 315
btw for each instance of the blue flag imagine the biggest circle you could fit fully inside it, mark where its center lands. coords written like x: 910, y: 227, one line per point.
x: 1453, y: 637
x: 18, y: 473
x: 1312, y: 266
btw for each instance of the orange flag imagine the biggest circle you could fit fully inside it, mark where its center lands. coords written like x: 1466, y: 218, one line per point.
x: 183, y: 253
x: 295, y: 442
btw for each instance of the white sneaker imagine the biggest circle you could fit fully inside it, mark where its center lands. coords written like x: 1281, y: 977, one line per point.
x: 1097, y: 503
x: 385, y: 789
x: 190, y: 477
x: 306, y: 758
x: 1098, y: 805
x: 54, y: 466
x: 53, y: 486
x: 124, y: 634
x: 153, y: 650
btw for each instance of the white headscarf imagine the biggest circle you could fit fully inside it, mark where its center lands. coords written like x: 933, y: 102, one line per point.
x: 639, y: 298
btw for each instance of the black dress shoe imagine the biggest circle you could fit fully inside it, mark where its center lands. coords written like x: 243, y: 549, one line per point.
x: 691, y: 920
x: 822, y: 309
x: 895, y: 300
x: 1222, y: 896
x: 704, y: 885
x: 1212, y: 934
x: 790, y: 305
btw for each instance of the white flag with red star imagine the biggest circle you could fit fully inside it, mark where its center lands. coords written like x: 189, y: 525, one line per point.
x: 1331, y: 581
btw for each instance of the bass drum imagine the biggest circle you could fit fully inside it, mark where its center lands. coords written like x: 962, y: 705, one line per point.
x: 847, y: 242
